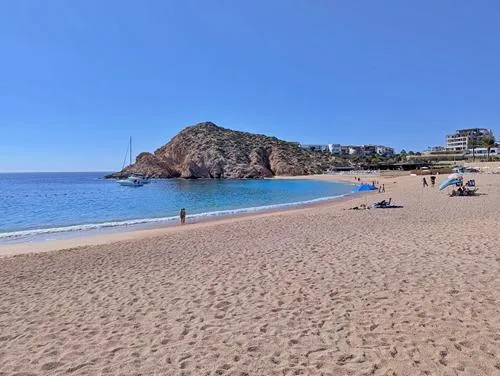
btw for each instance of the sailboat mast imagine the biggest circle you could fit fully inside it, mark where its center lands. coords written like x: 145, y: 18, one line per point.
x: 130, y: 149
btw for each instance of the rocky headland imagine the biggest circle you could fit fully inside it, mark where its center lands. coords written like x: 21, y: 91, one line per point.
x: 206, y: 150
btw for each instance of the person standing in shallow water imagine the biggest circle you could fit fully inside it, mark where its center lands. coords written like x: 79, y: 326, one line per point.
x: 182, y: 215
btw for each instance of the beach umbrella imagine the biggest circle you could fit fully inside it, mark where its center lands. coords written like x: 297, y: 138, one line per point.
x: 455, y: 176
x: 449, y: 182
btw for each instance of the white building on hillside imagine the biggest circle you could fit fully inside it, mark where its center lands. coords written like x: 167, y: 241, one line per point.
x: 344, y: 149
x: 338, y: 149
x: 369, y: 149
x: 355, y: 150
x: 385, y: 150
x: 335, y: 149
x: 462, y: 138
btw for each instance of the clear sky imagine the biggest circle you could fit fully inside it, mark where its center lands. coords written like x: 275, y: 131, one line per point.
x: 77, y: 78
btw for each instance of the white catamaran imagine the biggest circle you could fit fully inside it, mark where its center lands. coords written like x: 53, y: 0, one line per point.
x: 134, y: 180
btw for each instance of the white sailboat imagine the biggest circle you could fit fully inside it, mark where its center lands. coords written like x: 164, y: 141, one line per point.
x: 128, y: 182
x: 134, y: 180
x: 140, y: 177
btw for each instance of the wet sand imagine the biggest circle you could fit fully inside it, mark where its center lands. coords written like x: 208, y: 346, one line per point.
x: 313, y: 291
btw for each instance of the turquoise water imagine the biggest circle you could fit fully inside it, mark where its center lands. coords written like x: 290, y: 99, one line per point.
x: 43, y: 203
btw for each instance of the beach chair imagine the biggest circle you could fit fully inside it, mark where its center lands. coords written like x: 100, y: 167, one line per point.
x: 385, y: 205
x: 381, y: 204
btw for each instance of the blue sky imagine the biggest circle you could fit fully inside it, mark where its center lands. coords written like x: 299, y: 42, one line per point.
x: 77, y: 78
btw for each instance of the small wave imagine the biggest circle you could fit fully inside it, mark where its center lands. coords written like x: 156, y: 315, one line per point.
x: 132, y: 222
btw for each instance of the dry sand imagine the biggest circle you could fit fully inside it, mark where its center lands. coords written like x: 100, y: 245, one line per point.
x: 315, y: 291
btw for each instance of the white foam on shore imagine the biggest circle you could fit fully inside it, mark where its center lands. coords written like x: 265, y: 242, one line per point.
x: 6, y: 236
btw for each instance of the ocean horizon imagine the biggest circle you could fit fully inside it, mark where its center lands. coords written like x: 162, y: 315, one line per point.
x: 38, y: 204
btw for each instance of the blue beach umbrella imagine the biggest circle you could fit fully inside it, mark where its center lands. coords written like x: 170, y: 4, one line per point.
x: 448, y: 182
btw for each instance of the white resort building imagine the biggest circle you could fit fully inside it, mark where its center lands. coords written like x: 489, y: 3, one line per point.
x: 462, y: 138
x: 338, y: 149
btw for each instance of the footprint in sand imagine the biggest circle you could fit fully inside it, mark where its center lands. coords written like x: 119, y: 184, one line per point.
x: 50, y: 366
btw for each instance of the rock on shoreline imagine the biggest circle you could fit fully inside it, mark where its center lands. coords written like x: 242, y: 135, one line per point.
x: 206, y: 150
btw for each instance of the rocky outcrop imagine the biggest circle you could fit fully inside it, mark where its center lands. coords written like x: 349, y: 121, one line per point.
x: 208, y: 151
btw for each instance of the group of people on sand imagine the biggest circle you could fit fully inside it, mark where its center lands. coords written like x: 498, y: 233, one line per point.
x: 375, y: 183
x: 381, y: 187
x: 433, y: 181
x: 467, y: 189
x: 461, y: 191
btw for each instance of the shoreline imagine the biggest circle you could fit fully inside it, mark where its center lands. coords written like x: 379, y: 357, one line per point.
x: 62, y: 232
x: 105, y: 235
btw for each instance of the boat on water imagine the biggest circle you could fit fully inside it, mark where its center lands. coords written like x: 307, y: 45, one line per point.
x: 141, y: 178
x: 134, y: 180
x: 131, y: 182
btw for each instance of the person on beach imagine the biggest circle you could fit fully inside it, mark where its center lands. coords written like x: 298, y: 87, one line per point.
x: 360, y: 207
x: 182, y: 215
x: 424, y: 182
x: 433, y: 181
x: 383, y: 188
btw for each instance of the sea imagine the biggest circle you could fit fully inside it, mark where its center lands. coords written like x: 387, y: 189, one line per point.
x: 41, y: 206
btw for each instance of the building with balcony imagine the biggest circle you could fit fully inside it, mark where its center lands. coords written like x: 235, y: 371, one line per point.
x: 355, y: 150
x: 335, y: 149
x: 384, y: 150
x: 462, y: 139
x: 369, y: 149
x: 338, y: 149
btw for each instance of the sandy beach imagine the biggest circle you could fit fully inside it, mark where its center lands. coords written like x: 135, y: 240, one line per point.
x: 311, y: 291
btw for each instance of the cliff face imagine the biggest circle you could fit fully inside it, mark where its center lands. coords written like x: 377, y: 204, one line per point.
x: 208, y: 151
